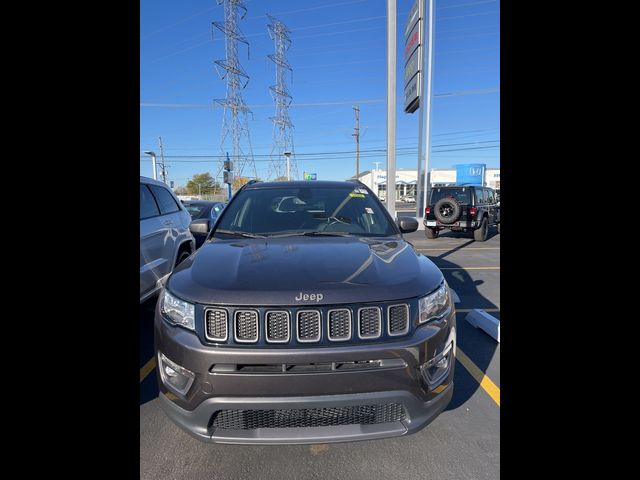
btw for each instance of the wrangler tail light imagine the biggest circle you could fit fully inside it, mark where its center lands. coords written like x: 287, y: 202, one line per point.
x: 473, y: 211
x: 427, y: 210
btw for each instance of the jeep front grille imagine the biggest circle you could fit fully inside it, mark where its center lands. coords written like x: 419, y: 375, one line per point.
x: 308, y: 326
x: 282, y: 326
x: 216, y: 329
x: 339, y: 324
x: 398, y: 319
x: 308, y: 417
x: 369, y: 322
x: 246, y: 326
x: 278, y: 326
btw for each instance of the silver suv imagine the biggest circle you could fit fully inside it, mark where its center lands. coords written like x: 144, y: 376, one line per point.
x: 165, y: 239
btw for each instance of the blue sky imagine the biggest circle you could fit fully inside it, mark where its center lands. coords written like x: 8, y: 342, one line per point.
x: 338, y: 54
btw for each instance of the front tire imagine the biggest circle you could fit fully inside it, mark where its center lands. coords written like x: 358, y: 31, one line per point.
x: 431, y: 232
x: 480, y: 234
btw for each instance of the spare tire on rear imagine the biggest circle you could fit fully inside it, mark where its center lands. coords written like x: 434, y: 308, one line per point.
x: 447, y: 210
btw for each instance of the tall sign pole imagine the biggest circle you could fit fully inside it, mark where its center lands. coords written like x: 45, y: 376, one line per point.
x: 391, y: 108
x: 427, y: 37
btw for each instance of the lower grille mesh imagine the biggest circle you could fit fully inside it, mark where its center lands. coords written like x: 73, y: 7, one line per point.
x: 308, y: 417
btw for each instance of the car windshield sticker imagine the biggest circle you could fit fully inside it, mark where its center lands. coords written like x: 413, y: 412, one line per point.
x: 368, y: 210
x: 356, y: 195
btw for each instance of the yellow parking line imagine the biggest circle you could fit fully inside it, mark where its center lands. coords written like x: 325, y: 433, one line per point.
x: 148, y: 368
x: 469, y: 268
x: 485, y: 382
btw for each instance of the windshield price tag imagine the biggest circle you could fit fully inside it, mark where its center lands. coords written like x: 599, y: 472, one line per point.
x: 356, y: 195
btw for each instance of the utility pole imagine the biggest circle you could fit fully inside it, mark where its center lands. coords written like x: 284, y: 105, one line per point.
x: 356, y: 134
x: 163, y: 171
x: 391, y: 108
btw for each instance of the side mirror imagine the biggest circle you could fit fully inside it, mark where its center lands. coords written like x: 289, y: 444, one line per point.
x: 200, y: 226
x: 407, y: 224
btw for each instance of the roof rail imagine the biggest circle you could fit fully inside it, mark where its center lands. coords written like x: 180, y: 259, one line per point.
x: 355, y: 180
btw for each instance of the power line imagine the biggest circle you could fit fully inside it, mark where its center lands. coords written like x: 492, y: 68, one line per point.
x: 481, y: 91
x: 347, y: 152
x: 309, y: 9
x: 466, y: 4
x: 166, y: 27
x: 475, y: 132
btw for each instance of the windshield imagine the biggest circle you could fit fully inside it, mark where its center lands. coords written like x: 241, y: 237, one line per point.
x: 305, y: 210
x: 461, y: 194
x: 195, y: 210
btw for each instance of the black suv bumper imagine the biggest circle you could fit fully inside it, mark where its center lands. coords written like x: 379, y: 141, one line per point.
x: 313, y: 404
x: 460, y: 224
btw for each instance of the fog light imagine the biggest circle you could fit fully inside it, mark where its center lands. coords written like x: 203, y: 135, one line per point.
x: 175, y: 377
x: 436, y: 370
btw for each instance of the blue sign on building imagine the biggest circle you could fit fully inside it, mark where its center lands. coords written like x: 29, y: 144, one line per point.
x: 470, y: 174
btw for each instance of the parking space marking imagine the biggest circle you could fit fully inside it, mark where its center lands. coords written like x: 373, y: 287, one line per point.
x: 469, y: 268
x: 147, y: 369
x: 485, y: 382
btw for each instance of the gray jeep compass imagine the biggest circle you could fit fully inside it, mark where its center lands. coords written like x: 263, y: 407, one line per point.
x: 305, y: 318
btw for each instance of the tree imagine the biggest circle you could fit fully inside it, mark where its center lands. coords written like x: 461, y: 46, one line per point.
x: 181, y: 191
x: 238, y: 182
x: 202, y: 183
x: 281, y: 179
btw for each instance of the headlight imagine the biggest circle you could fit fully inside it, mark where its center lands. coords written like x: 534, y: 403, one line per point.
x: 177, y: 311
x: 435, y: 305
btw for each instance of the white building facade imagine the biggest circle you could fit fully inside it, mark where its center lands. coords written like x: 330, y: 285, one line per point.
x: 406, y: 180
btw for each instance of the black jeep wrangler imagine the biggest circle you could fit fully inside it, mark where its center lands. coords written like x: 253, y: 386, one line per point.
x: 462, y: 209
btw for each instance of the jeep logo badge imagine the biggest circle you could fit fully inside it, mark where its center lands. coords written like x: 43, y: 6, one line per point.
x: 309, y: 296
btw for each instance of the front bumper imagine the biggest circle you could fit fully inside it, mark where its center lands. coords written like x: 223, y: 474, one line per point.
x: 399, y: 382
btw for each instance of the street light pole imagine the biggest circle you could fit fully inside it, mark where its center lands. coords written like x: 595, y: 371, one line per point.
x: 153, y: 162
x: 288, y: 156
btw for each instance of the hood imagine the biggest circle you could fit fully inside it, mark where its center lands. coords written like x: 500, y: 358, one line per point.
x: 281, y: 271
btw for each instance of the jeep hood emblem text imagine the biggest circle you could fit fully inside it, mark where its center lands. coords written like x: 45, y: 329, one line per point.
x: 309, y: 296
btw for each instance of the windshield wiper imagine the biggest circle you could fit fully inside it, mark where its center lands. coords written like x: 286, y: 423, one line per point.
x: 311, y: 234
x: 325, y: 234
x: 240, y: 234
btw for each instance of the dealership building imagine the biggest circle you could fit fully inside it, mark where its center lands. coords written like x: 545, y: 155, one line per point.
x: 406, y: 180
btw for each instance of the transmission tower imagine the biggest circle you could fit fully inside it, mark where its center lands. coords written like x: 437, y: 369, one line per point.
x: 235, y: 138
x: 282, y: 127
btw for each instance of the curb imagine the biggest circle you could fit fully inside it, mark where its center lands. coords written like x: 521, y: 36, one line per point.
x: 488, y: 323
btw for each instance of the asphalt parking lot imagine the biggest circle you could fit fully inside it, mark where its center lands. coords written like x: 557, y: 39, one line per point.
x: 462, y: 443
